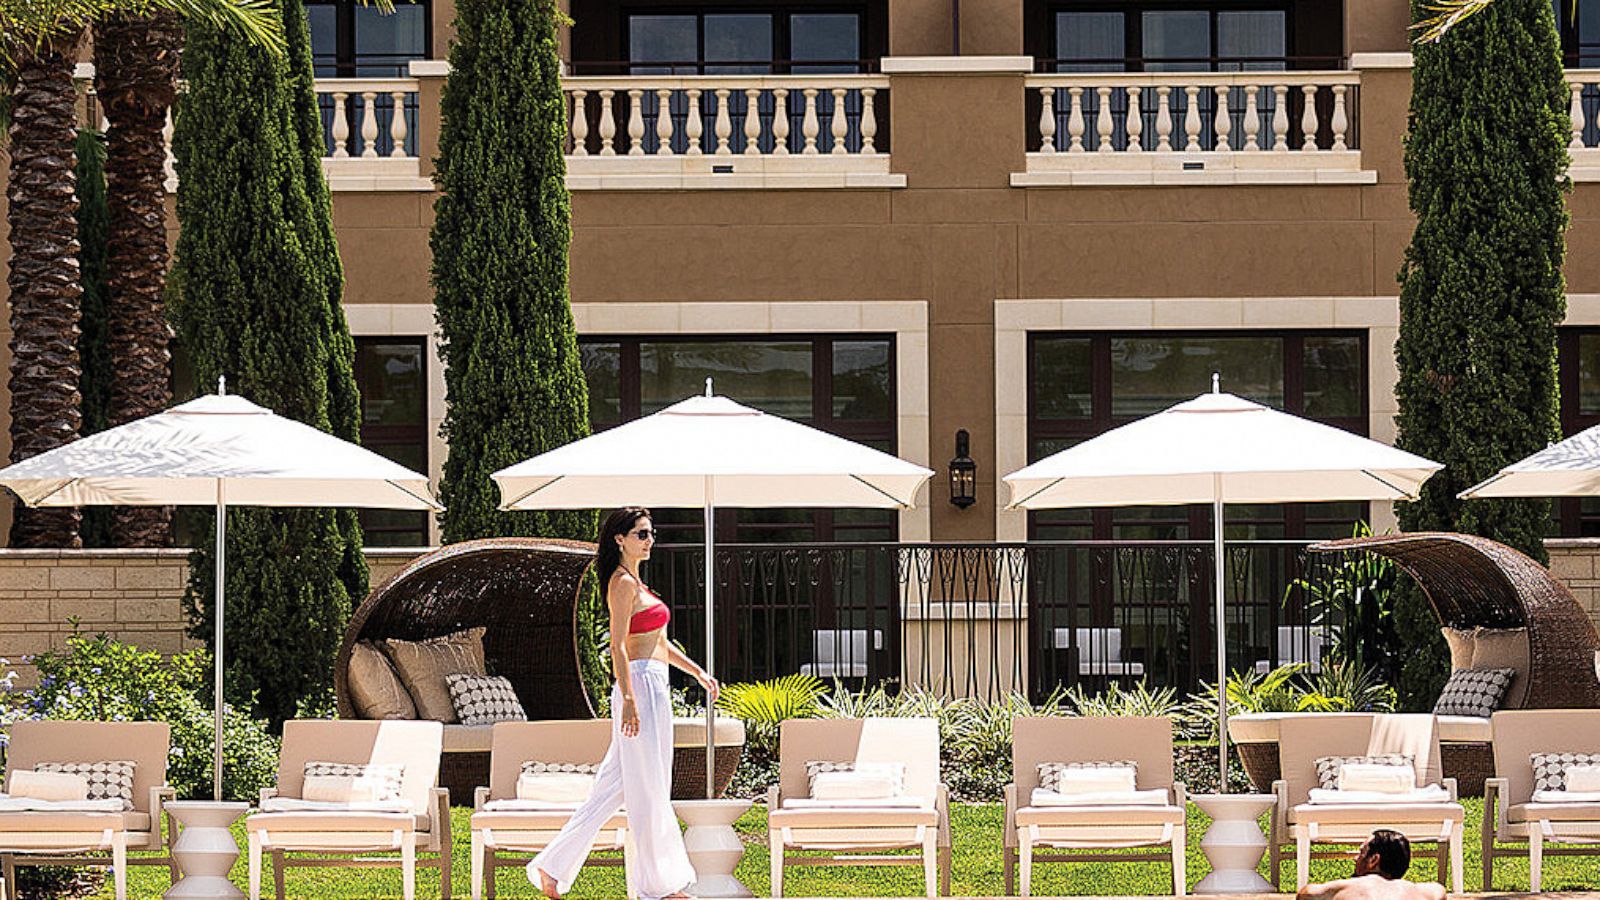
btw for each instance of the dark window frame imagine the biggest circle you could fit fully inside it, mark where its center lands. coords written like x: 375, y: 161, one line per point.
x: 1568, y: 511
x: 777, y: 63
x: 376, y: 437
x: 345, y: 61
x: 1196, y: 520
x: 1301, y: 36
x: 1574, y: 51
x: 825, y: 522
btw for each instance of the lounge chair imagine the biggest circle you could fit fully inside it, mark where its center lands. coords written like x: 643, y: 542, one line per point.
x: 1155, y: 819
x: 418, y: 821
x: 1428, y: 815
x: 499, y: 826
x: 79, y: 838
x: 1510, y: 812
x: 918, y: 818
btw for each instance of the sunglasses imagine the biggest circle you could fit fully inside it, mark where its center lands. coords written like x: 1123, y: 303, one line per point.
x: 645, y: 534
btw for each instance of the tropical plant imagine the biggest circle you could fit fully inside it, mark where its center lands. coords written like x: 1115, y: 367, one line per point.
x: 1288, y: 688
x: 1115, y: 701
x: 1351, y: 599
x: 764, y: 705
x: 258, y: 284
x: 513, y: 377
x: 1481, y: 291
x: 1440, y: 16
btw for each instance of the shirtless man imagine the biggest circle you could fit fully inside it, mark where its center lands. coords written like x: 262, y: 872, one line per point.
x: 1380, y: 869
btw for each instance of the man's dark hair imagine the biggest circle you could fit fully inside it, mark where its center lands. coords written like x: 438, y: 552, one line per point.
x: 1392, y: 852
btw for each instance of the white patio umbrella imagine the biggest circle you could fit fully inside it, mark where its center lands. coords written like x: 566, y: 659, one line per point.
x: 216, y: 450
x: 1219, y: 449
x: 706, y: 452
x: 1569, y: 468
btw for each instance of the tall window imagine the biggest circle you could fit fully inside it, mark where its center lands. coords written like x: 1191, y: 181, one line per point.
x: 351, y: 40
x: 1163, y: 38
x: 742, y: 43
x: 843, y: 385
x: 1080, y: 385
x: 391, y: 377
x: 1580, y: 32
x: 1578, y: 351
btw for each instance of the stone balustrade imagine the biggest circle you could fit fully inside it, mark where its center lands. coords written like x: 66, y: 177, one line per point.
x: 1193, y: 127
x: 369, y: 118
x: 729, y: 131
x: 1584, y: 145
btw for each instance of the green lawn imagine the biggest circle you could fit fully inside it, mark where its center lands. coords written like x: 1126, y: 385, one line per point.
x: 976, y: 869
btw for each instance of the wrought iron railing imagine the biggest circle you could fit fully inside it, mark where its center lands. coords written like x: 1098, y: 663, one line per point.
x: 986, y: 619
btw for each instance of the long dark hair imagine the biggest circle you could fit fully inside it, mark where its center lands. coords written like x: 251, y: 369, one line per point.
x: 609, y: 555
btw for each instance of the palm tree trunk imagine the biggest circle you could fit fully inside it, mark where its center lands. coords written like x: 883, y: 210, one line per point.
x: 43, y: 278
x: 136, y: 71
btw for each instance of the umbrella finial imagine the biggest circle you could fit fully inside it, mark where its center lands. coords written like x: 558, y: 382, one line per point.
x: 1216, y: 382
x: 708, y: 385
x: 222, y: 385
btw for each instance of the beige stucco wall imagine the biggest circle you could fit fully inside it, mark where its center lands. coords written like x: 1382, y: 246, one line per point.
x: 133, y: 595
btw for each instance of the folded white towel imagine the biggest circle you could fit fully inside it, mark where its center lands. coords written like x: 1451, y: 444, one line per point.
x: 531, y: 805
x: 1566, y: 796
x: 555, y: 787
x: 1379, y: 779
x: 1433, y: 793
x: 901, y: 802
x: 55, y: 786
x: 1152, y: 797
x: 864, y: 783
x: 342, y: 789
x: 1096, y: 780
x: 295, y: 804
x: 1583, y: 779
x: 30, y: 804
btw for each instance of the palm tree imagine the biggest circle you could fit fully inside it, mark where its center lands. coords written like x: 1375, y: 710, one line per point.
x: 136, y: 77
x: 39, y: 42
x: 1444, y: 15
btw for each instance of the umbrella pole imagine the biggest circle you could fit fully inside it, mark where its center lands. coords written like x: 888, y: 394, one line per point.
x: 711, y: 642
x: 1222, y: 638
x: 216, y: 644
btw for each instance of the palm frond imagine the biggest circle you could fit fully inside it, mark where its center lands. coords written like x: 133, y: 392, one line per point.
x: 1444, y: 15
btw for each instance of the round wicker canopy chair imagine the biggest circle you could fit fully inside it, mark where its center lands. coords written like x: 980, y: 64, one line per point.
x: 1476, y: 583
x: 524, y: 592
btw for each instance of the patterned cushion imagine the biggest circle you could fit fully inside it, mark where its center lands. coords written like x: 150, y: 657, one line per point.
x: 110, y: 780
x: 895, y: 771
x: 1050, y: 772
x: 1328, y: 766
x: 388, y: 775
x: 484, y: 699
x: 1550, y: 769
x: 422, y: 666
x: 534, y: 767
x: 1473, y: 692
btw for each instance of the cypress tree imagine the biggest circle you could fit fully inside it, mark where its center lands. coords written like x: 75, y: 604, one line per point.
x: 258, y: 284
x: 1481, y: 286
x: 513, y: 379
x: 94, y: 352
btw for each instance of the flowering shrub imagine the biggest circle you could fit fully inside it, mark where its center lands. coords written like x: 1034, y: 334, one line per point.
x: 99, y: 678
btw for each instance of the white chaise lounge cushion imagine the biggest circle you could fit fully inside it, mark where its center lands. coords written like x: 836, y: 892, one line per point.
x: 33, y: 804
x: 1433, y: 793
x: 1152, y: 797
x: 52, y: 786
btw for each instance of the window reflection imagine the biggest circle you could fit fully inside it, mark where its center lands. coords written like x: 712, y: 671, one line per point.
x: 391, y: 378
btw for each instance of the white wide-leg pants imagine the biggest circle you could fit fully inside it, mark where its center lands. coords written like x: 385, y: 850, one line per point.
x: 636, y: 775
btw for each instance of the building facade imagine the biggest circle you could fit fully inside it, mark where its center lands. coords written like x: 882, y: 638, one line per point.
x: 1029, y: 220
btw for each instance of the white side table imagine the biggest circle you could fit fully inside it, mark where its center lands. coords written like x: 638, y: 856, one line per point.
x: 204, y: 849
x: 714, y: 847
x: 1234, y: 843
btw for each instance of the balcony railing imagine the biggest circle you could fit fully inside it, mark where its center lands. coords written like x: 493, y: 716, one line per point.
x: 986, y: 619
x: 1584, y: 146
x: 729, y: 131
x: 1196, y: 127
x: 369, y: 118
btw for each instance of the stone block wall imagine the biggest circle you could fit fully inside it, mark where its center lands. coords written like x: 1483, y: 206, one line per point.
x: 1576, y: 561
x: 133, y: 595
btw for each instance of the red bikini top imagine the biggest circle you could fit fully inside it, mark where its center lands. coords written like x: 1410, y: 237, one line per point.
x: 652, y: 617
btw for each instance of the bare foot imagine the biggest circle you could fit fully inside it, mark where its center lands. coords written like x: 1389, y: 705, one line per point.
x: 548, y: 886
x: 680, y: 895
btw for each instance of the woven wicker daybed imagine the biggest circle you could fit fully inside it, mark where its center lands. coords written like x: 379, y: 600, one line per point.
x: 1484, y: 591
x: 524, y: 593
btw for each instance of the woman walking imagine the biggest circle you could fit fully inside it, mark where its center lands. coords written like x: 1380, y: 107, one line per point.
x: 637, y: 770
